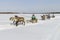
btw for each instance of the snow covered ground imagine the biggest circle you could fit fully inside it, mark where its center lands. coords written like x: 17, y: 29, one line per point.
x: 43, y: 30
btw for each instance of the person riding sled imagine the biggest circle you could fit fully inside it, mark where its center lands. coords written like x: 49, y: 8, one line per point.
x: 33, y: 17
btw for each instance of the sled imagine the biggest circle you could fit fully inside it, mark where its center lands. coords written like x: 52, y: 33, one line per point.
x: 32, y: 21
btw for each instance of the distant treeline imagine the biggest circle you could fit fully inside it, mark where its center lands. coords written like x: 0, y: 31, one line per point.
x: 29, y: 13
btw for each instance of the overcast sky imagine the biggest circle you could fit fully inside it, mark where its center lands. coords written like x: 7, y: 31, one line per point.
x: 30, y: 5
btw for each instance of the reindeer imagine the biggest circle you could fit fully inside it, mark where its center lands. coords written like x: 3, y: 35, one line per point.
x: 17, y: 20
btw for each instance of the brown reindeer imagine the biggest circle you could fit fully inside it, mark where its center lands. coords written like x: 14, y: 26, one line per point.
x: 17, y: 20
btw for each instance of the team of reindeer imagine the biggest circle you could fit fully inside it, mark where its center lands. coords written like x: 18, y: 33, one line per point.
x: 16, y: 19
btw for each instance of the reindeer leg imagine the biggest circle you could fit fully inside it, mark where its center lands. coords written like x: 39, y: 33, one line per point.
x: 16, y: 23
x: 13, y: 21
x: 24, y: 22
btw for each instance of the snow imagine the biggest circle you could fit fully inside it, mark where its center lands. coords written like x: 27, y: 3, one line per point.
x: 43, y: 30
